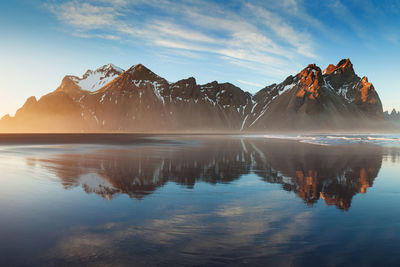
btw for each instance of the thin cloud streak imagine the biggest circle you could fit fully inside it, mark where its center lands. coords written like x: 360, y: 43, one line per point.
x: 84, y: 15
x: 300, y: 41
x: 208, y: 29
x: 251, y: 83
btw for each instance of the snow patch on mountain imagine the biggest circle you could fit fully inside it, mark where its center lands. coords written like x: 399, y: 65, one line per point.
x: 112, y: 66
x: 288, y: 87
x: 94, y: 80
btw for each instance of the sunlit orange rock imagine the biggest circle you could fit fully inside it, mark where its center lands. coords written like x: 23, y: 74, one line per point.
x: 310, y: 82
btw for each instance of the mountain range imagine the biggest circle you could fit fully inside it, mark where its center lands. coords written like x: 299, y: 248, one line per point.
x: 111, y: 99
x: 393, y: 116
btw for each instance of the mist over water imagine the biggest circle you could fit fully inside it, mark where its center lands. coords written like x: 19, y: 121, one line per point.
x: 200, y: 200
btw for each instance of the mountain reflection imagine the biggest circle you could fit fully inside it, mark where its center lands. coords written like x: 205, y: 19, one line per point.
x: 334, y: 174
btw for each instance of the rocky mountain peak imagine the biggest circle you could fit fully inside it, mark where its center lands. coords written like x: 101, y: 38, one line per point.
x: 106, y: 71
x: 94, y: 80
x: 31, y: 100
x: 342, y: 79
x: 393, y: 116
x: 344, y: 66
x: 331, y: 68
x: 29, y: 103
x: 141, y: 73
x: 139, y: 68
x: 69, y: 84
x: 344, y: 63
x: 189, y: 82
x: 310, y: 82
x: 112, y: 67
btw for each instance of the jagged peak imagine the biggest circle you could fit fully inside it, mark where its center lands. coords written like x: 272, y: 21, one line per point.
x: 138, y: 68
x: 190, y: 80
x: 111, y: 66
x: 344, y: 63
x: 94, y: 80
x: 31, y: 99
x: 141, y: 72
x: 331, y: 68
x: 311, y: 80
x: 343, y: 66
x: 213, y: 83
x: 70, y: 84
x: 105, y: 68
x: 218, y: 86
x: 311, y: 73
x: 230, y: 85
x: 313, y: 66
x: 69, y: 79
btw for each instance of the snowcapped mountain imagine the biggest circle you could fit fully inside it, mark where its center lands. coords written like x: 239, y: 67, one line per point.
x: 94, y: 80
x: 110, y: 99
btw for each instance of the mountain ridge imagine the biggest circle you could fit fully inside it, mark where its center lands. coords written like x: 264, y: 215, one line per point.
x: 110, y: 99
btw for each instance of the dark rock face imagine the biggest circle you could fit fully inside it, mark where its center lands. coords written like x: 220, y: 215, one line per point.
x: 335, y: 98
x: 353, y: 89
x: 137, y: 100
x: 110, y: 99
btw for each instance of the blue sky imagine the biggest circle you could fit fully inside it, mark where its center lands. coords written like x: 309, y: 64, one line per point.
x: 248, y: 43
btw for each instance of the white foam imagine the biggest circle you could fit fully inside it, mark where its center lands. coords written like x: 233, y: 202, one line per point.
x: 321, y: 139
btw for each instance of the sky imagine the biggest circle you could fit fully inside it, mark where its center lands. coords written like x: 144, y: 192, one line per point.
x: 248, y: 43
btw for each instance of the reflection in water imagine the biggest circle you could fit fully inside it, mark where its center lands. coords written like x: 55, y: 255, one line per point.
x: 203, y: 201
x: 392, y: 154
x: 334, y: 174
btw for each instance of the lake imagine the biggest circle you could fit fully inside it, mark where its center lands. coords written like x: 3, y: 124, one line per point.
x: 133, y: 200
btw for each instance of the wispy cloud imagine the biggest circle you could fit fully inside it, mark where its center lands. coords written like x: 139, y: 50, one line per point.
x: 84, y: 15
x: 258, y: 85
x: 169, y: 30
x: 102, y: 36
x: 299, y: 40
x: 261, y: 37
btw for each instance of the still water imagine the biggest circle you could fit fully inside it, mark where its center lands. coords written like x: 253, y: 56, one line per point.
x: 126, y: 200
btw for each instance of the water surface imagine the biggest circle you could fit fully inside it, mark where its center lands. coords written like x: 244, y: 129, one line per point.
x: 198, y: 200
